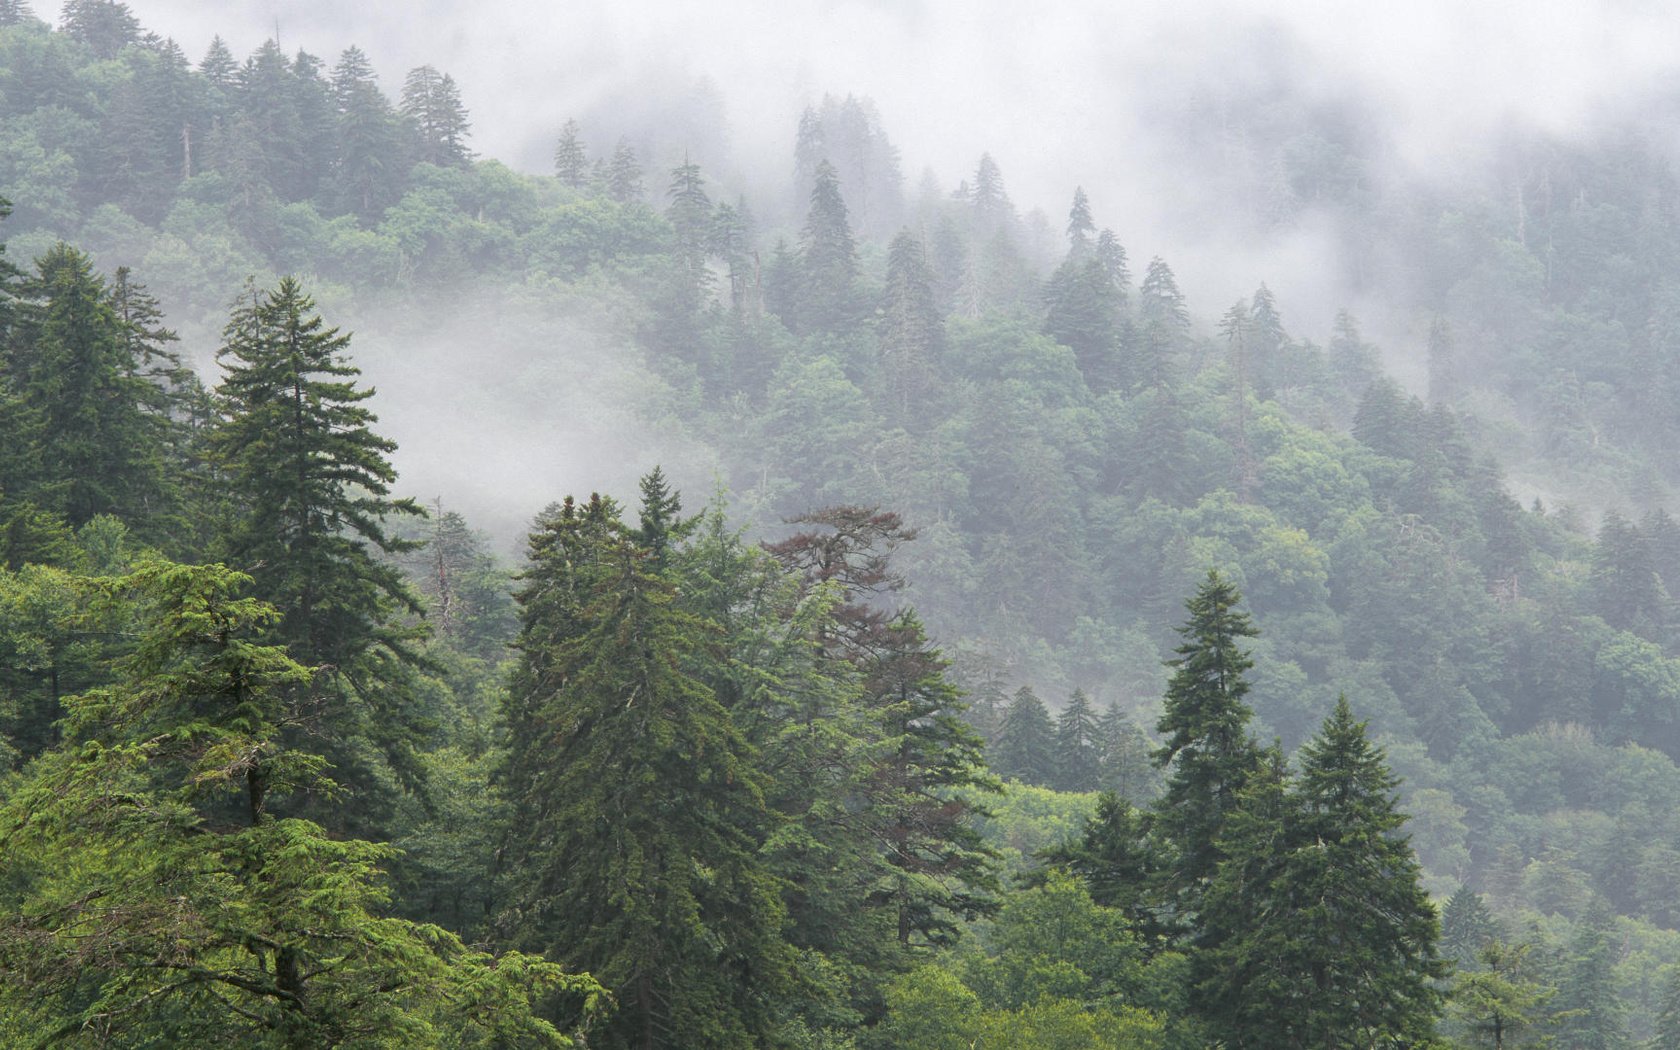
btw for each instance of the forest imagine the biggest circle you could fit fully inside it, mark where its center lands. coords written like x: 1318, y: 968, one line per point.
x: 984, y: 645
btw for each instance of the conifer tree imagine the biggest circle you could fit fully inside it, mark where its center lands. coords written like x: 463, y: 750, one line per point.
x: 911, y: 333
x: 1207, y: 753
x: 308, y: 483
x: 152, y: 895
x: 676, y: 917
x: 432, y: 104
x: 571, y: 161
x: 1466, y: 928
x: 218, y: 65
x: 1668, y: 1015
x: 1026, y: 742
x: 624, y: 175
x: 105, y: 26
x: 367, y: 168
x: 1078, y: 755
x: 827, y: 293
x: 1123, y: 753
x: 103, y: 422
x: 14, y: 12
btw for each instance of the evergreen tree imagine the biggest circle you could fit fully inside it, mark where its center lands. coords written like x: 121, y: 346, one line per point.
x: 1207, y: 752
x: 1498, y: 1005
x: 1314, y: 931
x: 152, y: 896
x: 368, y: 166
x: 432, y: 104
x: 1587, y: 993
x: 911, y: 333
x: 1443, y: 370
x: 1026, y: 742
x: 103, y: 421
x: 218, y: 65
x: 571, y: 162
x: 1078, y: 753
x: 1668, y: 1016
x: 676, y: 917
x: 624, y: 175
x: 14, y: 12
x: 939, y: 869
x: 1080, y: 226
x: 1466, y: 928
x: 105, y: 26
x: 308, y: 483
x: 989, y: 203
x: 1123, y: 753
x: 827, y: 295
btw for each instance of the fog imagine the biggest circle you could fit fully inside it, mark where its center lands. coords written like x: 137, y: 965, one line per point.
x: 1088, y: 94
x: 1062, y: 95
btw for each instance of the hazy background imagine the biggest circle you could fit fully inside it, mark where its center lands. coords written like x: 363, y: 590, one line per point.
x: 1061, y: 94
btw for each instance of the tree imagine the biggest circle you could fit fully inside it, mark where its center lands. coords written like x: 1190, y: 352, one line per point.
x: 308, y: 484
x: 1497, y: 1005
x: 924, y: 789
x: 1466, y: 928
x: 152, y: 895
x: 1207, y: 753
x: 103, y: 421
x: 14, y: 12
x: 432, y: 104
x: 827, y: 296
x: 624, y: 175
x: 368, y: 166
x: 218, y: 65
x: 571, y: 161
x: 1351, y: 957
x: 911, y: 333
x: 677, y: 917
x: 105, y: 26
x: 1588, y: 997
x: 1025, y: 748
x: 1078, y: 755
x: 1123, y: 754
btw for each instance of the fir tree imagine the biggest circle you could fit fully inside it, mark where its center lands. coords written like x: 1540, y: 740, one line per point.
x: 309, y: 482
x: 432, y: 104
x: 911, y: 333
x: 367, y: 168
x: 1123, y: 753
x: 105, y: 26
x: 624, y: 175
x: 1207, y: 752
x: 1466, y: 928
x: 218, y: 65
x: 1026, y: 742
x: 678, y: 918
x: 1078, y: 755
x: 827, y: 294
x: 571, y: 161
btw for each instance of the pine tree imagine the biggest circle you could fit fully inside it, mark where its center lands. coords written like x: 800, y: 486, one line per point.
x: 1207, y: 753
x: 1078, y: 754
x: 14, y: 12
x: 1025, y: 749
x: 309, y: 483
x: 571, y: 162
x: 614, y: 738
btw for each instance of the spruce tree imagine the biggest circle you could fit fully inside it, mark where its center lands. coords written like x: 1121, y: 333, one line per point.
x: 571, y: 161
x: 1026, y: 742
x: 103, y: 420
x: 308, y: 487
x: 105, y: 26
x: 432, y: 104
x: 367, y: 170
x: 638, y: 813
x: 1123, y: 753
x: 1466, y: 928
x: 1207, y: 753
x: 624, y: 175
x: 1078, y: 754
x: 911, y: 334
x: 827, y: 294
x: 154, y: 893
